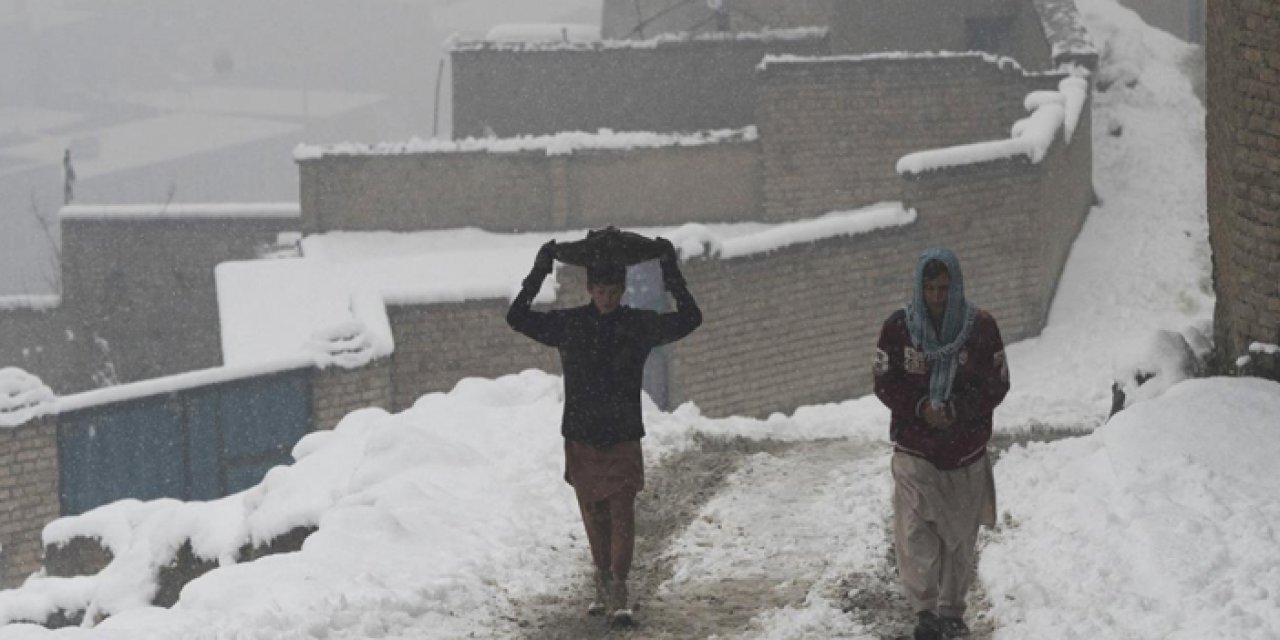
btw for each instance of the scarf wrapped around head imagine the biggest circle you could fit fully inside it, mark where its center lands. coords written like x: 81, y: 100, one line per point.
x: 940, y: 351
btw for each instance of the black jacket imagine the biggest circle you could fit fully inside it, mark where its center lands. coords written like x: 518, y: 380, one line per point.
x: 603, y: 360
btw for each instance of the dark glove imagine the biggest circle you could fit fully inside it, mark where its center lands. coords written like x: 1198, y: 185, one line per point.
x: 542, y: 265
x: 670, y: 263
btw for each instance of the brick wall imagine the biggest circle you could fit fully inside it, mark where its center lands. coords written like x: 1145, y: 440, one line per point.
x: 439, y: 344
x: 799, y: 325
x: 336, y: 391
x: 28, y: 495
x: 1243, y: 135
x: 146, y: 287
x: 832, y: 132
x: 684, y: 85
x: 529, y: 191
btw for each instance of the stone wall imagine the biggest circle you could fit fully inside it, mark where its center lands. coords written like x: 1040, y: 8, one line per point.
x: 145, y: 288
x: 1243, y: 135
x: 531, y: 190
x: 509, y: 90
x: 28, y: 495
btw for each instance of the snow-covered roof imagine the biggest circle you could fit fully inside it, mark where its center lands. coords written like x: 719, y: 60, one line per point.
x: 341, y: 287
x: 766, y: 35
x: 563, y: 143
x: 184, y: 211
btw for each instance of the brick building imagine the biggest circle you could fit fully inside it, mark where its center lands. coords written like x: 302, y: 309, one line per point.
x: 1243, y: 134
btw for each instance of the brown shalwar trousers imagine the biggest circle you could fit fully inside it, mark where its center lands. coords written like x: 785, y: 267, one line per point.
x: 606, y: 482
x: 936, y: 515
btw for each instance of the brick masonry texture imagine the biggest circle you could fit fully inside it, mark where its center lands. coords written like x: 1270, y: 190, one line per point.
x: 672, y: 86
x: 530, y: 191
x: 28, y: 496
x: 1243, y: 135
x: 336, y: 391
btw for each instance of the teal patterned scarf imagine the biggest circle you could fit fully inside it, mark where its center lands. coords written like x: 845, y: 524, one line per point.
x: 940, y: 351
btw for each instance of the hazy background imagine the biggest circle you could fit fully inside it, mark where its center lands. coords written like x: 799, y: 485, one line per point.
x: 199, y: 101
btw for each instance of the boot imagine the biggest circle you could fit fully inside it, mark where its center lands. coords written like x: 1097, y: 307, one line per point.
x: 620, y: 614
x: 599, y: 602
x: 928, y: 626
x: 954, y: 627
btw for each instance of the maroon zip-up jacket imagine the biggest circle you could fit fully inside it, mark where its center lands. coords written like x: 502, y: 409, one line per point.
x: 902, y: 384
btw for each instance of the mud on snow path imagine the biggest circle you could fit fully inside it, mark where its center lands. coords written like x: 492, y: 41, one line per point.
x: 752, y: 539
x: 762, y: 539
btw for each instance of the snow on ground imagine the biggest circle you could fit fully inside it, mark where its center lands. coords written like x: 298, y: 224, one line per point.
x: 1141, y: 261
x: 1161, y: 524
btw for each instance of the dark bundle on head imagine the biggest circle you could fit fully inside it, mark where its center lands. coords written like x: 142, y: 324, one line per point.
x: 607, y: 274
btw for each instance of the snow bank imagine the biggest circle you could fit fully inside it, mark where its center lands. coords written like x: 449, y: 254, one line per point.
x: 557, y: 144
x: 1161, y: 524
x: 435, y: 518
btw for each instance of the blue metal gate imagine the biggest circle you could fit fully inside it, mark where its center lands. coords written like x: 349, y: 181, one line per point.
x: 197, y: 444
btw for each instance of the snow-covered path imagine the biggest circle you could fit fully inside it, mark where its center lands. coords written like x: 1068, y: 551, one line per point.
x: 717, y: 557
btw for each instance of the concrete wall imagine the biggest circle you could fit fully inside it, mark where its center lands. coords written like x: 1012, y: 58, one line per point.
x: 146, y: 289
x: 832, y: 132
x: 684, y: 85
x: 1243, y: 135
x: 529, y: 191
x: 28, y: 495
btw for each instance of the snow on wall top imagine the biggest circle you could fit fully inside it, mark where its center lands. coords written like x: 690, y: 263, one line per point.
x: 1067, y: 36
x: 23, y: 397
x: 337, y: 293
x: 163, y: 211
x: 557, y: 42
x: 1004, y: 63
x: 37, y: 302
x: 1031, y: 137
x: 564, y: 143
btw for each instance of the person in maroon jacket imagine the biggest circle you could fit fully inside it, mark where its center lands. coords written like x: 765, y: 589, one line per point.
x: 940, y: 368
